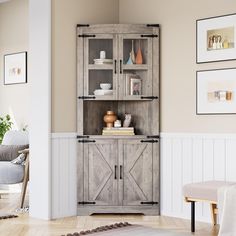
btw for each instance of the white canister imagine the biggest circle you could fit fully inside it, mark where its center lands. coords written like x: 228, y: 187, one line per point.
x: 102, y: 54
x: 117, y: 124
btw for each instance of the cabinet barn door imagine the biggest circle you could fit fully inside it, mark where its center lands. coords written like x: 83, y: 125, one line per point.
x: 137, y: 171
x: 100, y: 170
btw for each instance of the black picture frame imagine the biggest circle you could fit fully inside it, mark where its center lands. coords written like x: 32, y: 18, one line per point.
x: 200, y: 49
x: 197, y: 87
x: 24, y: 54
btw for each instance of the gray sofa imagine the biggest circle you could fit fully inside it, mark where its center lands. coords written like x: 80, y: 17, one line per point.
x: 13, y: 142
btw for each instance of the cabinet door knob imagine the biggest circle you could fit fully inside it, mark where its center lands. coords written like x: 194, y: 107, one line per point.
x: 115, y: 66
x: 115, y: 172
x: 121, y: 174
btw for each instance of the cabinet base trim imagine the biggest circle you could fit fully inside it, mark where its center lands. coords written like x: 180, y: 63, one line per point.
x: 145, y: 210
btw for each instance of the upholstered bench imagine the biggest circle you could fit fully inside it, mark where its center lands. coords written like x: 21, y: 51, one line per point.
x: 203, y: 192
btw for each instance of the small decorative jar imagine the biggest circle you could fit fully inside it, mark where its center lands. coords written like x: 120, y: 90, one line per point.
x: 110, y: 118
x: 117, y: 124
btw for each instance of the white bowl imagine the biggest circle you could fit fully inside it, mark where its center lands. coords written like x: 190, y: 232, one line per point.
x: 105, y: 86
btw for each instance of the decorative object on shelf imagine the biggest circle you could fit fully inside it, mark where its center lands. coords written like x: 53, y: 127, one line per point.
x: 102, y: 61
x: 127, y: 120
x: 132, y: 54
x: 117, y: 124
x: 105, y: 86
x: 118, y: 131
x: 216, y: 90
x: 139, y: 57
x: 102, y: 54
x: 15, y: 68
x: 110, y: 118
x: 214, y: 36
x: 135, y: 86
x: 129, y: 62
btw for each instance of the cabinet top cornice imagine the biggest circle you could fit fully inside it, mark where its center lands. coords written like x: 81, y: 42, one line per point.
x: 117, y: 28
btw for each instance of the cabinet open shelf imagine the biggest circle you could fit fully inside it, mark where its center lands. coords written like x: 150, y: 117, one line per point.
x: 143, y: 119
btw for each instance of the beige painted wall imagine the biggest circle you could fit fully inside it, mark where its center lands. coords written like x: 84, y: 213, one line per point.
x: 178, y: 67
x: 66, y: 15
x: 14, y: 99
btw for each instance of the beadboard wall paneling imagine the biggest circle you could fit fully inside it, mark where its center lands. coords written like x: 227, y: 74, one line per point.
x: 64, y: 189
x: 187, y: 158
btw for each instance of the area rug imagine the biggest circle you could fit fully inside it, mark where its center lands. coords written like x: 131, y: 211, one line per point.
x: 126, y: 229
x: 7, y: 216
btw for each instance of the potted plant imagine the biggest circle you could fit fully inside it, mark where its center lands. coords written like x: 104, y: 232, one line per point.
x: 5, y: 125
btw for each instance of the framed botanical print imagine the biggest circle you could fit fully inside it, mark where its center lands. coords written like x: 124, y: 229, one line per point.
x: 216, y: 38
x: 15, y: 68
x: 216, y: 91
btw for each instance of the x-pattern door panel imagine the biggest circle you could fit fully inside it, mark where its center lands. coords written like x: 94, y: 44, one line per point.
x: 137, y: 182
x: 100, y: 185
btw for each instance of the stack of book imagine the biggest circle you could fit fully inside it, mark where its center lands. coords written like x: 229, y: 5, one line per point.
x: 118, y: 131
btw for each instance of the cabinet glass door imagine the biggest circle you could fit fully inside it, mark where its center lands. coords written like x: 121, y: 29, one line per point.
x: 100, y: 73
x: 135, y: 55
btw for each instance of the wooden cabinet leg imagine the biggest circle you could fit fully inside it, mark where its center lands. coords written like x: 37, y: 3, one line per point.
x: 213, y: 214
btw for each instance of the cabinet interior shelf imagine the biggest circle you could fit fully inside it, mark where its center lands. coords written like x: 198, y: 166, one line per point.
x: 100, y: 67
x: 135, y: 67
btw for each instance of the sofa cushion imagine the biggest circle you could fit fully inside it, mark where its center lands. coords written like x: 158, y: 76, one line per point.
x: 11, y: 173
x: 10, y: 152
x: 15, y: 137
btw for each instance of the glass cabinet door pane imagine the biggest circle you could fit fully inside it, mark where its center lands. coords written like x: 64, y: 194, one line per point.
x: 136, y: 55
x: 99, y: 66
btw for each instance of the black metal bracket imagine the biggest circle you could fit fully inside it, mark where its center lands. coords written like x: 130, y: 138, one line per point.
x: 152, y: 25
x: 149, y: 97
x: 87, y: 35
x: 86, y: 97
x: 192, y: 216
x: 149, y: 203
x: 149, y: 35
x: 86, y: 141
x: 153, y: 136
x: 83, y: 25
x: 149, y: 141
x: 82, y: 136
x: 86, y: 203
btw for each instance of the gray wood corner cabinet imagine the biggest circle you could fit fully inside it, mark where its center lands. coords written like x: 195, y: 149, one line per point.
x: 118, y: 70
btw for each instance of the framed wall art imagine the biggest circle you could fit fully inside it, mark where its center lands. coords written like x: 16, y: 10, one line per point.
x: 216, y: 91
x: 216, y: 38
x: 15, y: 68
x: 133, y: 84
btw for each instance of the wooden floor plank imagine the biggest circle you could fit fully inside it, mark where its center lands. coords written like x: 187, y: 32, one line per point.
x: 26, y: 226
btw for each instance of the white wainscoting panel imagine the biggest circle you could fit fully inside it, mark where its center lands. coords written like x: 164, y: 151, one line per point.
x: 64, y: 189
x: 187, y: 158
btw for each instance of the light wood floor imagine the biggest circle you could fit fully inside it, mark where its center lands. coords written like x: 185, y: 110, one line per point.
x: 26, y: 226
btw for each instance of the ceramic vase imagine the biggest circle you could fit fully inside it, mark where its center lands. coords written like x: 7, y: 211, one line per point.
x: 139, y: 57
x: 132, y: 55
x: 110, y: 118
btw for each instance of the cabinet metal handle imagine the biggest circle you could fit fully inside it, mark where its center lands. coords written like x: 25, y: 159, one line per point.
x: 121, y: 172
x: 115, y: 66
x: 149, y: 141
x: 86, y: 141
x: 120, y: 66
x: 115, y: 171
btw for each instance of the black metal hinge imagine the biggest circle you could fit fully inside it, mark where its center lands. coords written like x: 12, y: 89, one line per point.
x: 149, y: 203
x: 87, y: 35
x: 149, y: 35
x: 149, y: 141
x: 153, y: 136
x: 86, y: 203
x: 152, y: 25
x: 149, y: 97
x: 83, y: 25
x: 82, y: 136
x: 86, y: 97
x: 86, y: 141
